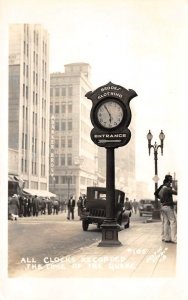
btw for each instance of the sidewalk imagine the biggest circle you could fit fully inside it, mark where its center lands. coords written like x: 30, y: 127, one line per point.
x: 142, y: 254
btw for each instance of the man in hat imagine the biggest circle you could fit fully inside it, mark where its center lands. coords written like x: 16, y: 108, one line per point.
x: 169, y: 222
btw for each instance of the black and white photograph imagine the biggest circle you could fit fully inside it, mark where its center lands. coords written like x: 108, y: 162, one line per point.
x: 93, y: 149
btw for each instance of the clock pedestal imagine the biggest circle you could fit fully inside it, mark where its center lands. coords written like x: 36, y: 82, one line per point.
x: 110, y: 230
x: 110, y: 227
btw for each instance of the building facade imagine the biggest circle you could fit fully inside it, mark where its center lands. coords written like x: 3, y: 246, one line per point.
x: 73, y: 156
x: 29, y: 103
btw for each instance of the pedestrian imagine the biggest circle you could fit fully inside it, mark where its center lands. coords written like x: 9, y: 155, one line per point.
x: 158, y: 194
x: 135, y: 205
x: 29, y: 207
x: 169, y: 222
x: 21, y: 207
x: 43, y: 207
x: 25, y: 205
x: 64, y: 204
x: 71, y: 207
x: 49, y: 205
x: 55, y: 207
x: 80, y: 205
x: 128, y: 205
x: 13, y: 207
x: 36, y: 206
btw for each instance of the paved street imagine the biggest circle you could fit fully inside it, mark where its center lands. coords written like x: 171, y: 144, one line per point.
x: 45, y: 237
x: 51, y: 246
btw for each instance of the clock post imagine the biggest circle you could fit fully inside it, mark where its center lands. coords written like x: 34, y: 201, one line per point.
x: 110, y: 115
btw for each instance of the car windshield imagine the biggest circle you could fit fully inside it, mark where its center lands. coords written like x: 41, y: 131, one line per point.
x: 99, y: 195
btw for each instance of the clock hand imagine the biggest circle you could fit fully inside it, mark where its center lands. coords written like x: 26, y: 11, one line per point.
x: 108, y: 113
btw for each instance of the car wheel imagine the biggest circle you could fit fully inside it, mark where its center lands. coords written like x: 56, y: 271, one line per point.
x: 85, y: 225
x: 127, y: 225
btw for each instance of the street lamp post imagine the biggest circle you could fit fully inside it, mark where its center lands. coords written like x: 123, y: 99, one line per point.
x: 155, y: 146
x: 68, y: 180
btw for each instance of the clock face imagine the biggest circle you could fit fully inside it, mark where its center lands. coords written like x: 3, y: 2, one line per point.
x: 109, y: 114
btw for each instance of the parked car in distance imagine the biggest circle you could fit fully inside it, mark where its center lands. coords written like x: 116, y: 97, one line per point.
x: 95, y: 208
x: 146, y: 206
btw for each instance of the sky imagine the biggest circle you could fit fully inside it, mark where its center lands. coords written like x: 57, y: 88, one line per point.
x: 139, y: 44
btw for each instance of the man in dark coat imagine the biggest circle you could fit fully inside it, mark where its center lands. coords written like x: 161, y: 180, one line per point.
x: 71, y: 207
x: 36, y: 206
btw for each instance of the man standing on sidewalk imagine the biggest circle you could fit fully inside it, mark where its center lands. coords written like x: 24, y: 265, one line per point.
x: 167, y: 210
x: 71, y: 206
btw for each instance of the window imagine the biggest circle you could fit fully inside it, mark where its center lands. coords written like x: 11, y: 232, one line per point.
x: 23, y: 136
x: 24, y: 47
x: 22, y: 165
x: 63, y: 125
x: 56, y: 143
x: 33, y: 98
x: 51, y: 91
x: 26, y: 92
x: 26, y: 141
x: 70, y: 108
x: 51, y: 109
x: 56, y: 92
x: 23, y: 90
x: 70, y: 91
x: 63, y: 108
x: 56, y: 108
x: 57, y: 125
x: 63, y: 179
x: 63, y: 91
x: 69, y: 159
x: 62, y: 160
x: 63, y: 143
x: 56, y: 160
x: 70, y: 142
x: 23, y: 110
x: 56, y: 179
x: 69, y: 125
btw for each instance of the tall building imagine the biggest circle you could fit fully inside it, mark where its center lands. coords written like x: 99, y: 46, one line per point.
x: 29, y: 104
x: 73, y: 156
x: 125, y: 165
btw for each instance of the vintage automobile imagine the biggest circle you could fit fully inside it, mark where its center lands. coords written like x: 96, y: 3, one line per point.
x: 94, y: 211
x: 146, y: 206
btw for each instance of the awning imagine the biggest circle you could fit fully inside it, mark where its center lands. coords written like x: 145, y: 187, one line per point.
x: 39, y: 193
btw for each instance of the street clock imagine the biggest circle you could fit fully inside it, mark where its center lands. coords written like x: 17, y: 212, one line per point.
x: 111, y: 115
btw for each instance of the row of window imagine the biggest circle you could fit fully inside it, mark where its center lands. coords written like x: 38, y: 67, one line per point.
x: 61, y: 108
x: 66, y: 179
x: 61, y: 91
x: 62, y: 143
x: 24, y: 166
x: 63, y: 125
x: 70, y: 179
x: 26, y: 50
x: 63, y: 160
